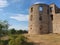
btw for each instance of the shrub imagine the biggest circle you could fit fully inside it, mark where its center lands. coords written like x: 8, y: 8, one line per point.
x: 20, y: 40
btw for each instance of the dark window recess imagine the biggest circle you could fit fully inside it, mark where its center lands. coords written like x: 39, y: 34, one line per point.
x: 40, y: 8
x: 40, y: 18
x: 51, y: 17
x: 40, y: 27
x: 51, y: 8
x: 31, y: 17
x: 47, y: 11
x: 30, y: 26
x: 32, y: 9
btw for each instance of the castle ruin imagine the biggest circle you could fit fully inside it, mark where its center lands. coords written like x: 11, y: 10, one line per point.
x: 44, y: 19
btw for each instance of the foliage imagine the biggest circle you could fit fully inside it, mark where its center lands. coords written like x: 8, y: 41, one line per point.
x: 4, y: 42
x: 12, y: 31
x: 20, y: 40
x: 15, y: 39
x: 21, y: 31
x: 3, y: 27
x: 25, y: 31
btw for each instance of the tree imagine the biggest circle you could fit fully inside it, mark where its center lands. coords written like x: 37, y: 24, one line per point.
x: 0, y: 32
x: 3, y: 28
x: 25, y: 31
x: 19, y: 31
x: 12, y: 31
x: 22, y: 31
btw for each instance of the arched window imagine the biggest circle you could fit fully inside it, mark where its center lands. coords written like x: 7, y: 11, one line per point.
x: 41, y: 8
x: 30, y: 28
x: 31, y: 9
x: 51, y: 8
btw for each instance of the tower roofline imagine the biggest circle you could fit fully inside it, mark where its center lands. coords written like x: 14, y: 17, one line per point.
x: 52, y: 4
x: 40, y: 4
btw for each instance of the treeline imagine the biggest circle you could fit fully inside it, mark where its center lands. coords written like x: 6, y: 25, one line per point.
x: 5, y: 31
x: 3, y: 28
x: 15, y: 37
x: 13, y: 31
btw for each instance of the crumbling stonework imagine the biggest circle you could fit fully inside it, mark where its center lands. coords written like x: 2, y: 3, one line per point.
x: 44, y: 19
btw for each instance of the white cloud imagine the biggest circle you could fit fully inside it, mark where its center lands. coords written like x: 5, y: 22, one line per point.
x: 38, y: 2
x: 20, y: 17
x: 3, y: 3
x: 18, y: 27
x: 15, y: 27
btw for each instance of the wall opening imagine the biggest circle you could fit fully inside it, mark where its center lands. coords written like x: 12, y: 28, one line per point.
x: 40, y: 8
x: 41, y: 28
x: 40, y: 18
x: 47, y: 11
x: 31, y: 9
x: 51, y: 8
x: 51, y: 17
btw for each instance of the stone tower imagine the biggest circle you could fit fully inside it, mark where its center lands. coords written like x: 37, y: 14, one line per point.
x: 39, y: 20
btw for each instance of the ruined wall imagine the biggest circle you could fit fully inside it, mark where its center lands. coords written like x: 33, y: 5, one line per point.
x: 39, y: 20
x: 46, y: 20
x: 56, y: 18
x: 56, y: 23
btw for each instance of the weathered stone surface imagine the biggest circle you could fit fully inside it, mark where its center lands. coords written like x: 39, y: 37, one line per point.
x: 41, y: 22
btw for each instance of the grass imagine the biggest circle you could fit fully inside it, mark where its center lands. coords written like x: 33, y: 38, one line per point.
x: 46, y: 39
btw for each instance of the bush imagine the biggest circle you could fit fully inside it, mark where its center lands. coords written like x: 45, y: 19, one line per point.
x: 11, y: 42
x: 22, y: 31
x: 20, y: 40
x: 4, y: 42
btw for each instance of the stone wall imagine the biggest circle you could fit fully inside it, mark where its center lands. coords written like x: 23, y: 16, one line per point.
x: 45, y: 21
x: 56, y: 18
x: 37, y: 25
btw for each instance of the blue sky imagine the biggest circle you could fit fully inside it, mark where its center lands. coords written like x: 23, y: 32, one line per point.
x: 16, y: 12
